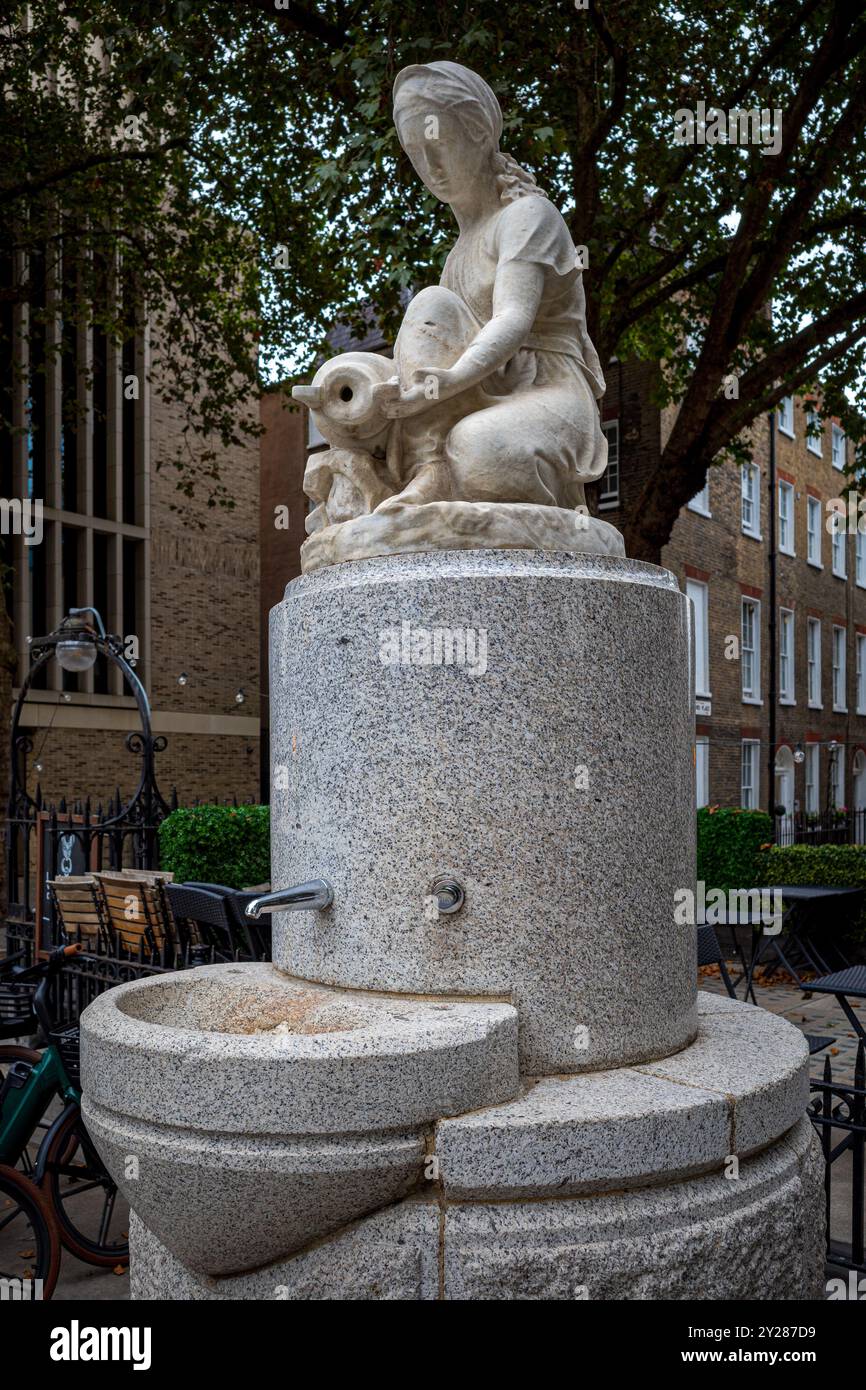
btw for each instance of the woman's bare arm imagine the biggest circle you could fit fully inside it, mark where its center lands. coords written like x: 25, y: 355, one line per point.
x: 516, y: 297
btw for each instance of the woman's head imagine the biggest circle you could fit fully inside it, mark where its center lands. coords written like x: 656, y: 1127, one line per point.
x: 449, y: 123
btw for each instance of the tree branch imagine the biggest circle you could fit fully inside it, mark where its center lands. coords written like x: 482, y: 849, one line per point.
x: 81, y: 166
x: 298, y: 17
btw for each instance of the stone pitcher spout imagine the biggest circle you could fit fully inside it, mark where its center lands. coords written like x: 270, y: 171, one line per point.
x: 315, y: 894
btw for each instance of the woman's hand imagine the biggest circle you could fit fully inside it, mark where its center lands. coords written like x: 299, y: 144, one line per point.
x: 427, y: 387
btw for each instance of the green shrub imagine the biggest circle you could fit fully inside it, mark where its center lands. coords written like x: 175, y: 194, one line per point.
x: 828, y: 866
x: 217, y: 844
x: 729, y: 843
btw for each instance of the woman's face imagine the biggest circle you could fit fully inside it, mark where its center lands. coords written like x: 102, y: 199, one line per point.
x: 444, y: 157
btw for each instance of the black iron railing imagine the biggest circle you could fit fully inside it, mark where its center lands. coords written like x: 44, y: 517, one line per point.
x: 824, y: 828
x: 838, y: 1112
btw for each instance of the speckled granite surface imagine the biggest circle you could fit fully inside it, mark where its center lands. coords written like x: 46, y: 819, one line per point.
x: 549, y: 772
x: 759, y: 1237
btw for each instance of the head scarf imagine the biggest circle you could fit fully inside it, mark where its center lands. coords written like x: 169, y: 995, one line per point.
x: 451, y: 83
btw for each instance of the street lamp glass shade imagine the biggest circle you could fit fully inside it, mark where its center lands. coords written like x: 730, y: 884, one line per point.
x: 76, y: 654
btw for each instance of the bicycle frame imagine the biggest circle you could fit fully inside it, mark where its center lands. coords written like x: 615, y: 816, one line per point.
x: 24, y: 1106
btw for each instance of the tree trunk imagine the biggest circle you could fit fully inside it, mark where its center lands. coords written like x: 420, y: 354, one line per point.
x: 8, y: 664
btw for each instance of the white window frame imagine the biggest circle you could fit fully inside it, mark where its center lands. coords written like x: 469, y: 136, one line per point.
x: 860, y: 558
x: 839, y: 548
x: 700, y: 503
x: 814, y: 443
x: 702, y: 770
x: 698, y: 591
x: 751, y: 695
x: 787, y: 675
x: 840, y: 673
x: 837, y: 437
x: 813, y: 663
x: 786, y: 416
x: 608, y: 491
x: 839, y: 779
x: 786, y: 518
x: 812, y: 772
x: 814, y: 517
x: 860, y: 652
x: 750, y: 491
x: 750, y: 774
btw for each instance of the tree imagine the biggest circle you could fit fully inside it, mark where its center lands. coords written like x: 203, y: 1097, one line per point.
x: 239, y: 163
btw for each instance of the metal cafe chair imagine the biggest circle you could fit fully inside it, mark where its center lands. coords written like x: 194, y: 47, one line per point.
x: 256, y: 934
x: 710, y: 953
x: 214, y: 925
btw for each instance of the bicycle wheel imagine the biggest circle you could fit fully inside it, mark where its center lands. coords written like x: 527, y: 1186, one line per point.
x: 29, y: 1239
x: 83, y: 1197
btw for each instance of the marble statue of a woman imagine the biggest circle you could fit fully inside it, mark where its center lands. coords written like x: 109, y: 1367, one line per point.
x: 485, y: 427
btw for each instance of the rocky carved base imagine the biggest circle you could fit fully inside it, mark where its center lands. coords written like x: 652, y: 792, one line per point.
x: 407, y: 530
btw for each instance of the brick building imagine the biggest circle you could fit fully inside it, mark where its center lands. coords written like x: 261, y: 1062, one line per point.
x: 177, y: 577
x: 720, y: 551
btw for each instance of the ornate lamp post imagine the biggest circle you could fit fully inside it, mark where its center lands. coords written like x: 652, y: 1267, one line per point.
x: 76, y: 643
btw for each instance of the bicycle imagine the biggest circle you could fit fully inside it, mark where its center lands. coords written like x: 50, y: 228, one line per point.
x: 67, y: 1167
x: 26, y: 1219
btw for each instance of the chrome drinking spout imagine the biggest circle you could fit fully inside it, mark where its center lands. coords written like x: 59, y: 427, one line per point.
x: 315, y: 894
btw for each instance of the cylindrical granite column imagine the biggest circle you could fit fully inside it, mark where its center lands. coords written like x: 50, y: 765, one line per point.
x: 520, y: 723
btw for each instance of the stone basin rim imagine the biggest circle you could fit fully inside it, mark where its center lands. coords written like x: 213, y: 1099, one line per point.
x: 444, y: 1020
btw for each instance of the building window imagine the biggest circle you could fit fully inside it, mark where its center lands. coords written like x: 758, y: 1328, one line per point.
x: 786, y: 415
x: 751, y: 512
x: 699, y: 595
x: 837, y: 548
x: 813, y: 772
x: 839, y: 698
x: 749, y: 774
x: 786, y: 656
x: 837, y: 776
x: 814, y: 441
x: 702, y: 771
x: 861, y: 673
x: 837, y: 447
x: 786, y: 518
x: 813, y: 661
x: 813, y: 532
x: 608, y: 491
x: 750, y: 650
x: 700, y: 503
x: 860, y: 558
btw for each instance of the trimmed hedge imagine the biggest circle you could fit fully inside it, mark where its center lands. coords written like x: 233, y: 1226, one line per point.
x: 830, y: 866
x: 217, y: 844
x: 729, y: 846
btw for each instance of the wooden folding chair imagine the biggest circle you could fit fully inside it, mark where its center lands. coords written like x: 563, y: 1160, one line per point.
x: 136, y: 910
x: 81, y: 910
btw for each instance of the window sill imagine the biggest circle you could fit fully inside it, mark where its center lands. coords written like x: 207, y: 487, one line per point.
x: 609, y: 505
x: 819, y: 453
x: 789, y: 434
x: 783, y: 550
x: 751, y: 700
x: 840, y: 709
x: 816, y: 564
x: 698, y: 511
x: 787, y: 701
x: 837, y: 575
x: 814, y: 706
x: 752, y: 535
